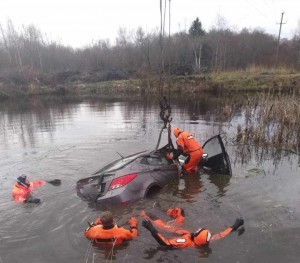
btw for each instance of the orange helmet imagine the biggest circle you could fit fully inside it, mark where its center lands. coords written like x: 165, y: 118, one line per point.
x: 201, y: 237
x: 176, y: 132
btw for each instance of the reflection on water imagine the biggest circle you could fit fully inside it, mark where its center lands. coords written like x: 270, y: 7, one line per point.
x: 71, y: 139
x: 189, y: 187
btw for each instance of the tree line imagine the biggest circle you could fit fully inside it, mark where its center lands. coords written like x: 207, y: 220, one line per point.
x: 28, y: 54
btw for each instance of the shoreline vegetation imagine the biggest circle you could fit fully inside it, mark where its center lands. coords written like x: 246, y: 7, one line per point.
x: 271, y: 120
x: 83, y: 84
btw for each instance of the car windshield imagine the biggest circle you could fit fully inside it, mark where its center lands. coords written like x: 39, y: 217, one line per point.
x: 118, y: 164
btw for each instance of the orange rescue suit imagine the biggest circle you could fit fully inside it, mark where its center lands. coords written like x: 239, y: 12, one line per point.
x: 188, y: 239
x: 190, y: 148
x: 177, y: 218
x: 113, y: 235
x: 21, y: 193
x: 185, y: 238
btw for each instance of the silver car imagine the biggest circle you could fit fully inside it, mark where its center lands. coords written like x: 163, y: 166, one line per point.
x: 141, y: 174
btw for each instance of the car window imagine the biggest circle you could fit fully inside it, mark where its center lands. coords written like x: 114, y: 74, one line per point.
x: 218, y: 159
x: 213, y: 147
x: 154, y: 160
x: 117, y: 164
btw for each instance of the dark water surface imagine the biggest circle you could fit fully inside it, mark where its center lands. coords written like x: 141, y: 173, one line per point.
x: 69, y: 140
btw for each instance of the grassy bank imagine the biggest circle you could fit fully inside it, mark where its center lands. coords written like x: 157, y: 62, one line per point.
x: 251, y: 80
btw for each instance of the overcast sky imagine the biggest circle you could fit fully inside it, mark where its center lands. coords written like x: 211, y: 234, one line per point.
x: 79, y: 22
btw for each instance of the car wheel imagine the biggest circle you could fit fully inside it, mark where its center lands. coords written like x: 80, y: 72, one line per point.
x: 153, y: 190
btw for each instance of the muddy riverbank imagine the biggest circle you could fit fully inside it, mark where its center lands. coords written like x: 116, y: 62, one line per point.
x: 82, y: 85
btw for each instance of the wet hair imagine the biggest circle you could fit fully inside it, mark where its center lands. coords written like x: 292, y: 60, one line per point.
x: 107, y: 219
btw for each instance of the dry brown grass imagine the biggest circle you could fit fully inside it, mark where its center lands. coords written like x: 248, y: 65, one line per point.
x: 272, y: 119
x: 281, y: 70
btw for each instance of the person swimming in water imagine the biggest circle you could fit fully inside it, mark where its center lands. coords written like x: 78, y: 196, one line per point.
x: 105, y: 231
x: 22, y: 190
x: 184, y: 238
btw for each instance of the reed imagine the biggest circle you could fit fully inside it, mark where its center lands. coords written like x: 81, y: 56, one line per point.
x: 271, y: 120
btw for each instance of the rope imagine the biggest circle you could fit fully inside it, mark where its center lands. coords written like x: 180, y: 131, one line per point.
x: 165, y: 115
x: 163, y: 11
x: 162, y: 47
x: 110, y: 255
x: 87, y: 254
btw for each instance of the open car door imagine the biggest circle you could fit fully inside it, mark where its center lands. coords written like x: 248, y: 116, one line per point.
x: 218, y: 159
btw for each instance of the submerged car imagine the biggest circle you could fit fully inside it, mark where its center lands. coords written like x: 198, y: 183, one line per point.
x: 139, y: 175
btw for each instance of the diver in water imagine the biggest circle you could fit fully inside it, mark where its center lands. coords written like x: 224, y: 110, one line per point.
x: 105, y: 231
x: 201, y: 237
x: 22, y: 190
x: 188, y: 146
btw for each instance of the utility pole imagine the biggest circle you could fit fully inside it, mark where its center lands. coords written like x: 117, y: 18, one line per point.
x: 298, y: 64
x: 277, y: 51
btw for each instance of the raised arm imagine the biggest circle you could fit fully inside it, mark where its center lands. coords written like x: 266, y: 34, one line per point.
x: 238, y: 222
x: 157, y: 236
x: 177, y: 216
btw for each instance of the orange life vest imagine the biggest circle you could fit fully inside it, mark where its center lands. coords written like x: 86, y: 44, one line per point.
x: 115, y: 235
x: 202, y: 238
x: 21, y: 193
x: 183, y: 241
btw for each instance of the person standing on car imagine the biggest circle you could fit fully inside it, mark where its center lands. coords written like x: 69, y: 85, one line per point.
x: 22, y: 190
x: 105, y: 231
x: 185, y: 238
x: 188, y: 146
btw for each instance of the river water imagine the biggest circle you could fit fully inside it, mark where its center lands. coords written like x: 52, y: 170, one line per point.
x: 70, y: 139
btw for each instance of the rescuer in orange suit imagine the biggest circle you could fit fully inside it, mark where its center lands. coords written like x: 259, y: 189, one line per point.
x: 202, y: 237
x: 22, y: 190
x: 105, y: 231
x: 188, y: 146
x: 176, y: 215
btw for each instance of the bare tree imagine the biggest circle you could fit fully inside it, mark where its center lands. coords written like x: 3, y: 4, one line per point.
x: 196, y: 33
x: 14, y: 43
x: 5, y: 44
x: 220, y: 47
x: 143, y: 43
x: 33, y: 43
x: 297, y: 40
